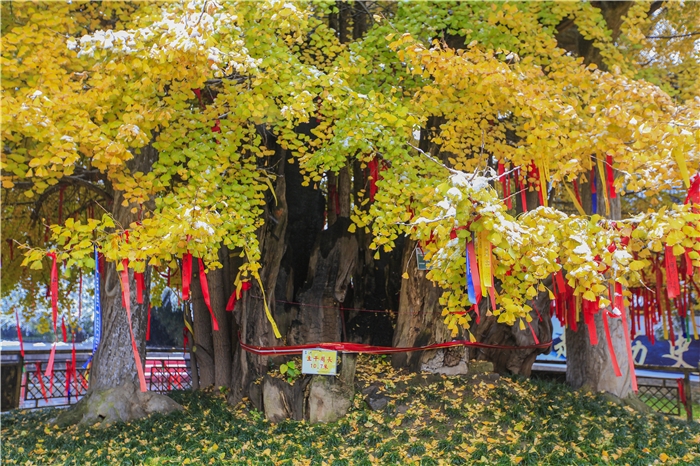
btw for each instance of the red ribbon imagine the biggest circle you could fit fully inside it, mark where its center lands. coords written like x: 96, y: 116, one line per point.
x: 672, y: 286
x: 63, y: 329
x: 577, y: 193
x: 205, y: 292
x: 505, y: 184
x: 198, y: 93
x: 610, y: 176
x: 245, y: 286
x: 186, y: 275
x: 534, y: 172
x: 613, y: 358
x: 148, y: 324
x: 69, y: 371
x: 619, y: 304
x: 369, y: 349
x: 534, y: 336
x: 40, y: 378
x: 373, y: 166
x: 590, y: 308
x: 140, y: 285
x: 126, y: 302
x: 19, y: 335
x: 49, y: 367
x: 694, y: 190
x: 53, y: 289
x: 73, y: 363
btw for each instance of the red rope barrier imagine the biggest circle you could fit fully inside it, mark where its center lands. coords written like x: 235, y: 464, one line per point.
x: 344, y: 347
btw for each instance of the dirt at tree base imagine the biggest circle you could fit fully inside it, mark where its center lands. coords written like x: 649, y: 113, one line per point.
x: 124, y: 403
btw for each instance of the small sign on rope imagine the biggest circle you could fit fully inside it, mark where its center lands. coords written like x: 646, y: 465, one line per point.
x: 420, y: 259
x: 319, y: 361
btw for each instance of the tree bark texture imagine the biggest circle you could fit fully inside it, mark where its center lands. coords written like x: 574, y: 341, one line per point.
x: 114, y: 363
x: 212, y: 348
x: 114, y: 393
x: 317, y: 319
x: 250, y: 311
x: 420, y: 323
x: 514, y: 361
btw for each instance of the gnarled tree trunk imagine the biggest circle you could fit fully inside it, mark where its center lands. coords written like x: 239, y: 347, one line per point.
x: 114, y: 393
x: 587, y: 365
x: 255, y: 329
x: 420, y: 323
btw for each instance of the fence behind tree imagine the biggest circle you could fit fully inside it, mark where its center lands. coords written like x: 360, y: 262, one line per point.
x: 166, y: 370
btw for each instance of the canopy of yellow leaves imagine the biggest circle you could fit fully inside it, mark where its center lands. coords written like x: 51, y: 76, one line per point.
x: 90, y: 88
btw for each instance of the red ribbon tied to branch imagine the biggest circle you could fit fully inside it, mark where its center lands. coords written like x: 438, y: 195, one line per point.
x: 235, y: 296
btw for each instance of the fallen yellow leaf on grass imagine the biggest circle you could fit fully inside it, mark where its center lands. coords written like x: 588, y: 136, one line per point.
x: 663, y: 457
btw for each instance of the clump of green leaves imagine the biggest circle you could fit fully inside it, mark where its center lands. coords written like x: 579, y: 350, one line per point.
x: 290, y: 370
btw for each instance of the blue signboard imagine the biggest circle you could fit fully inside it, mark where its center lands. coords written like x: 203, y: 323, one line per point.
x: 684, y: 353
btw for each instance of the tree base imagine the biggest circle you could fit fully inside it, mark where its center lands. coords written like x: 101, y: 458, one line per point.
x: 124, y: 403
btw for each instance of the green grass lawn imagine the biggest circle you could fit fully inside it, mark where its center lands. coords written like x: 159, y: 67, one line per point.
x: 430, y: 421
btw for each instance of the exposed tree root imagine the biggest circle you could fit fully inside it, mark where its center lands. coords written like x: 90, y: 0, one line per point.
x: 124, y: 403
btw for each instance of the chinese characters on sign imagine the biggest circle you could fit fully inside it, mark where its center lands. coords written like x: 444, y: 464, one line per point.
x: 319, y: 361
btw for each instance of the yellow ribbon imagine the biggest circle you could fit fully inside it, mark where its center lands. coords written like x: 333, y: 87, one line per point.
x: 577, y: 204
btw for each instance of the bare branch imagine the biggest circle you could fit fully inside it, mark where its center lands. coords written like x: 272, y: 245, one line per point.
x: 679, y: 36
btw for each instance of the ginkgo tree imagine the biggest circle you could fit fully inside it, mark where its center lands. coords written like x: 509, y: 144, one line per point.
x: 299, y: 153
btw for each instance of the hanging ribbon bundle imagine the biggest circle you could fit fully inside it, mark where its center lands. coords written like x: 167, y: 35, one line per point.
x: 473, y: 279
x: 504, y: 177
